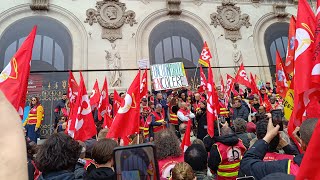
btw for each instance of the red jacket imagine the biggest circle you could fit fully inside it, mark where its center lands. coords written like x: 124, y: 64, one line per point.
x: 166, y: 165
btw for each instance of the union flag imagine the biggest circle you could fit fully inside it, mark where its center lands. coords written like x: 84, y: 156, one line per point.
x: 205, y: 55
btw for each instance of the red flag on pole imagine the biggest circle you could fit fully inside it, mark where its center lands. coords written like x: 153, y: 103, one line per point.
x: 242, y: 77
x: 107, y: 115
x: 316, y: 55
x: 205, y: 55
x: 289, y: 65
x: 281, y: 77
x: 222, y: 84
x: 230, y: 83
x: 144, y: 84
x: 203, y: 83
x: 14, y: 77
x: 103, y: 100
x: 212, y: 102
x: 186, y: 139
x: 73, y: 89
x: 254, y: 87
x: 95, y: 95
x: 83, y: 124
x: 116, y: 102
x: 127, y: 120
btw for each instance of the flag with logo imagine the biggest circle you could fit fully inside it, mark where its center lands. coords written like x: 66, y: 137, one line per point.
x: 203, y: 83
x: 144, y: 84
x: 186, y: 138
x: 103, y: 100
x: 95, y: 95
x: 242, y: 77
x: 205, y: 55
x: 108, y: 108
x: 14, y: 77
x: 230, y: 83
x: 281, y: 77
x: 117, y: 100
x: 289, y: 65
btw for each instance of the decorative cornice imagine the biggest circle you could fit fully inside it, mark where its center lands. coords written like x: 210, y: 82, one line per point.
x: 39, y: 5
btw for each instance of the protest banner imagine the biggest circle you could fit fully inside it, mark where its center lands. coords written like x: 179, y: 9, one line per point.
x: 168, y: 76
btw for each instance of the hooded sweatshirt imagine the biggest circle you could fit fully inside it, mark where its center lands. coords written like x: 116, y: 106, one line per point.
x: 102, y: 173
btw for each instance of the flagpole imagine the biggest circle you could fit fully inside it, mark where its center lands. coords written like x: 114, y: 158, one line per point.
x: 194, y: 77
x: 138, y: 138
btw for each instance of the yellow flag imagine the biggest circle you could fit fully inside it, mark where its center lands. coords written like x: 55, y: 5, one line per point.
x: 288, y: 104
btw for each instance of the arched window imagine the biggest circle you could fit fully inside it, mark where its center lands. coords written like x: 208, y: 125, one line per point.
x: 52, y: 51
x: 276, y: 39
x: 175, y: 41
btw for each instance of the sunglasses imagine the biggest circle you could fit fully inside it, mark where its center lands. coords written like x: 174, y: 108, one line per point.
x: 33, y: 100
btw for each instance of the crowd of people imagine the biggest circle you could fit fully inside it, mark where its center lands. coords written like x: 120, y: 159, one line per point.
x: 245, y: 141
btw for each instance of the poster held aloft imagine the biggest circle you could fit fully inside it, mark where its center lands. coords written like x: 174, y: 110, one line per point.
x: 168, y: 76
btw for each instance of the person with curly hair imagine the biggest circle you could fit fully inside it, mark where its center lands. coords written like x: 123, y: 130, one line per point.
x: 168, y: 151
x: 183, y: 171
x: 57, y: 157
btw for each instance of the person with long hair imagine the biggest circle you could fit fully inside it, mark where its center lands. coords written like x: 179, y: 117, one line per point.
x: 34, y: 119
x: 168, y: 151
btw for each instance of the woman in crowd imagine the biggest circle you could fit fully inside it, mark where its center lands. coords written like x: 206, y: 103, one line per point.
x: 103, y: 161
x: 34, y: 119
x: 183, y: 171
x: 201, y: 117
x: 168, y: 151
x: 57, y: 157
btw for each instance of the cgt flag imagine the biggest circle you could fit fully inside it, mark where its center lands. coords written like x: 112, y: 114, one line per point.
x: 242, y: 77
x: 95, y: 95
x: 289, y: 65
x: 281, y: 77
x: 205, y: 55
x: 14, y: 77
x: 203, y: 83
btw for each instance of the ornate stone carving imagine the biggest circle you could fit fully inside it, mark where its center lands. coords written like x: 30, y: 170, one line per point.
x: 255, y: 1
x: 114, y: 62
x: 111, y: 15
x: 39, y: 5
x: 279, y: 10
x: 197, y: 2
x: 236, y: 57
x: 173, y: 7
x: 230, y: 18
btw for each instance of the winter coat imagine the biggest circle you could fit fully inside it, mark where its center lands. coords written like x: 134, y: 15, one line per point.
x: 241, y: 112
x: 58, y: 175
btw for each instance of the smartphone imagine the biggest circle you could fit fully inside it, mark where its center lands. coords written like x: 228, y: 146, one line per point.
x: 246, y: 178
x: 277, y: 116
x: 136, y: 162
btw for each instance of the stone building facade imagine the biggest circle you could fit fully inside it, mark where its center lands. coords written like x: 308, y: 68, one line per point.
x: 104, y: 35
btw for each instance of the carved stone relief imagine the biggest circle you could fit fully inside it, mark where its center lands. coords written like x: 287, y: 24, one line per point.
x: 114, y: 62
x: 173, y: 7
x: 279, y: 10
x: 39, y: 5
x: 230, y: 18
x: 236, y: 57
x: 197, y: 2
x: 111, y: 15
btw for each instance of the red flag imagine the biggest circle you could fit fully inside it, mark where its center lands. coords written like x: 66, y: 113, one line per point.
x: 127, y: 120
x: 186, y: 139
x: 107, y: 115
x: 203, y: 83
x: 254, y: 87
x: 289, y: 65
x: 95, y: 96
x: 83, y: 124
x: 116, y: 102
x: 316, y: 58
x: 212, y: 102
x: 14, y: 77
x: 73, y: 89
x: 242, y: 77
x: 281, y: 77
x: 205, y: 55
x: 309, y: 168
x: 230, y: 83
x: 222, y: 84
x: 144, y: 84
x: 103, y: 100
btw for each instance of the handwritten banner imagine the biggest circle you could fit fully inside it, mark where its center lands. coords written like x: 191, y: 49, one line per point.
x: 168, y: 76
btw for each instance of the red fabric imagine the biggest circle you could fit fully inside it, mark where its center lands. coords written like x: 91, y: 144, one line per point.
x: 203, y: 83
x: 309, y: 168
x: 205, y: 55
x: 157, y: 118
x: 14, y: 77
x: 166, y: 165
x: 254, y: 87
x: 73, y: 89
x: 103, y: 100
x: 83, y: 126
x: 126, y: 122
x: 186, y: 138
x: 107, y: 115
x: 116, y: 102
x: 281, y: 77
x: 266, y: 103
x: 289, y: 65
x: 316, y: 58
x: 230, y: 83
x: 242, y: 77
x: 212, y: 103
x: 276, y: 156
x: 95, y: 96
x: 144, y: 84
x: 222, y: 84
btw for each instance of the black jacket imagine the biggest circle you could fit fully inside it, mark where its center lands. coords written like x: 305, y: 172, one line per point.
x: 214, y: 156
x: 252, y: 163
x: 202, y: 124
x: 103, y: 173
x: 59, y: 175
x: 246, y: 138
x: 241, y: 112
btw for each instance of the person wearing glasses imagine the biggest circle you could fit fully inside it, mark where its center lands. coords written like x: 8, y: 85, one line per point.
x: 61, y: 127
x: 34, y: 119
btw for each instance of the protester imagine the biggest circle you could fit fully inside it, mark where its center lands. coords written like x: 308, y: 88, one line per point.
x: 102, y: 154
x: 61, y: 126
x: 201, y: 118
x: 240, y: 111
x: 252, y: 163
x: 183, y: 171
x: 240, y: 126
x: 197, y: 157
x: 157, y: 121
x: 57, y: 157
x: 58, y: 110
x: 184, y: 114
x: 168, y: 151
x: 31, y: 151
x: 226, y: 154
x: 80, y: 171
x: 34, y: 119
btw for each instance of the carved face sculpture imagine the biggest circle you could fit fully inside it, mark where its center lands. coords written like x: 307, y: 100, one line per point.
x: 230, y: 16
x: 112, y: 12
